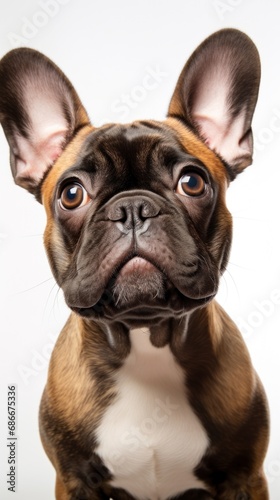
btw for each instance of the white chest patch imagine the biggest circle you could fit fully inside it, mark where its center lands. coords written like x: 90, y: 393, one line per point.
x: 150, y: 439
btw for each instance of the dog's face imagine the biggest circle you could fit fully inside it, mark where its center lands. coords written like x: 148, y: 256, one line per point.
x: 131, y: 232
x: 137, y: 226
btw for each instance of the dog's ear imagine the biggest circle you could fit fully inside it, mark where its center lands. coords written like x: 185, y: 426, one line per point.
x: 216, y: 95
x: 39, y: 111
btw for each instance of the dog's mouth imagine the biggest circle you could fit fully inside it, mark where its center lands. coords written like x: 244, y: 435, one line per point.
x: 137, y: 265
x: 136, y: 280
x: 141, y: 290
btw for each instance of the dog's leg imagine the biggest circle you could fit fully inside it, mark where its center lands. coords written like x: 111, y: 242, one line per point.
x: 60, y: 491
x: 255, y: 488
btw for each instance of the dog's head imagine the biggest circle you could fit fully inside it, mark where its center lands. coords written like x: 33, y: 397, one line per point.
x: 137, y: 226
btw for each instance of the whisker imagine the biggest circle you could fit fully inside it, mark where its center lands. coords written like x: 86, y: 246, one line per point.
x: 232, y: 280
x: 34, y: 287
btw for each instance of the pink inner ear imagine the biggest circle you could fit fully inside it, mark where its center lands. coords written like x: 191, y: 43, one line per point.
x: 211, y: 97
x: 210, y: 112
x: 33, y: 159
x: 225, y: 138
x: 53, y: 145
x: 48, y: 130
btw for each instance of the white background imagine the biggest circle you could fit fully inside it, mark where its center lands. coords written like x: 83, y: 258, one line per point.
x: 106, y: 49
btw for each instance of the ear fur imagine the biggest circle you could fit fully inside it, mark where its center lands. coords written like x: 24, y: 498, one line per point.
x: 216, y: 95
x: 39, y: 111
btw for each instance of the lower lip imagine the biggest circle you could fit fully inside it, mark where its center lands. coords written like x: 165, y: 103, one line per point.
x: 137, y: 264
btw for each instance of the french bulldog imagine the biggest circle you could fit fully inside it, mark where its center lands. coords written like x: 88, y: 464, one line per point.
x: 151, y: 393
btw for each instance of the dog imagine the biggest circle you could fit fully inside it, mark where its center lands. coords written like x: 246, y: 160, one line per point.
x: 151, y: 393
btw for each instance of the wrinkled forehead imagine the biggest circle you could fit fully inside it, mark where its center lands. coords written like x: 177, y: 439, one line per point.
x: 148, y: 146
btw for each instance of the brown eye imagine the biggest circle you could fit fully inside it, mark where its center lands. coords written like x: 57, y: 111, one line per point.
x: 191, y: 184
x: 73, y: 196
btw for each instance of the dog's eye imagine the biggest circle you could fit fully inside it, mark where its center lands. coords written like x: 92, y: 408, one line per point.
x: 191, y: 184
x: 73, y: 196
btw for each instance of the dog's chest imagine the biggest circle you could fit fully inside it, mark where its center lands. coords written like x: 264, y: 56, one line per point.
x: 149, y: 438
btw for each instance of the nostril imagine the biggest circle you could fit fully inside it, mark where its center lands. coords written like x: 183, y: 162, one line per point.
x: 148, y: 210
x: 118, y: 214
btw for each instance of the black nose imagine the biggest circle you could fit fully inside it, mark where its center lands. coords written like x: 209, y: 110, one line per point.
x: 133, y: 212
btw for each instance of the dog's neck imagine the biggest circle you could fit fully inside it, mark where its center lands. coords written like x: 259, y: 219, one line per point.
x: 115, y: 339
x: 158, y: 334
